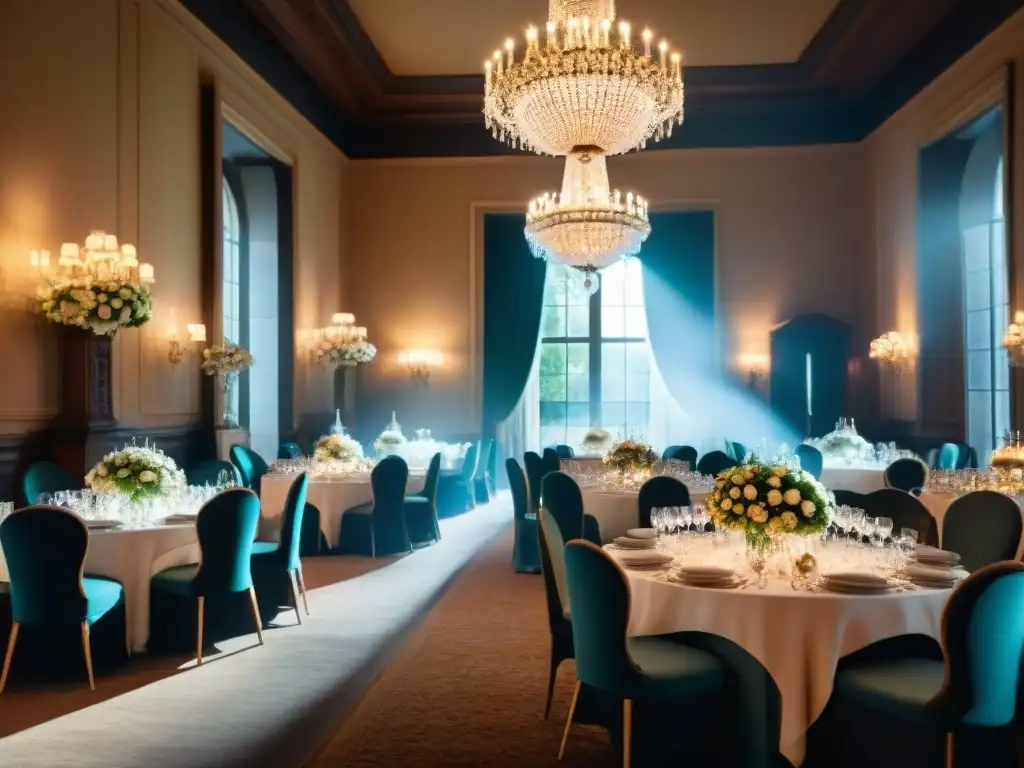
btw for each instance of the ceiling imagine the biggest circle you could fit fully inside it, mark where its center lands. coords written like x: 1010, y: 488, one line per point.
x: 453, y: 37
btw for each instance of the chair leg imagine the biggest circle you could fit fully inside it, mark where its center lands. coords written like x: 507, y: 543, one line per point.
x: 295, y: 594
x: 302, y: 590
x: 199, y: 632
x: 627, y: 731
x: 552, y: 672
x: 256, y: 614
x: 12, y: 640
x: 568, y: 720
x: 87, y: 649
x: 950, y: 750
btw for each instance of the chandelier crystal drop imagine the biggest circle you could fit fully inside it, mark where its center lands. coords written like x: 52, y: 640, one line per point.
x: 584, y: 84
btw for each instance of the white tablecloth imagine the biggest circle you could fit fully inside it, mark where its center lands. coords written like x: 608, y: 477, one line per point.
x: 617, y: 511
x: 799, y: 637
x: 938, y: 503
x: 132, y: 556
x: 859, y: 479
x: 331, y: 497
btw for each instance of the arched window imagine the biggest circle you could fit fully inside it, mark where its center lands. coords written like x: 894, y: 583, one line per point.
x: 232, y: 288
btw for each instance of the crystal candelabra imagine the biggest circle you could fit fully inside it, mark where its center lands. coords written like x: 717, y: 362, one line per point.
x: 890, y: 349
x: 343, y: 342
x: 99, y: 259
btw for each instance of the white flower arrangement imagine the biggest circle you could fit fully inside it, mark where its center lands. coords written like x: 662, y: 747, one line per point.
x: 226, y: 359
x: 763, y: 501
x: 388, y: 442
x: 103, y: 307
x: 597, y: 440
x: 631, y: 456
x: 842, y: 442
x: 346, y: 353
x: 337, y: 448
x: 137, y: 472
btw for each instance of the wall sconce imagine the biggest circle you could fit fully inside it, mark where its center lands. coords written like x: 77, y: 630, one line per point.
x: 1013, y: 341
x: 419, y: 362
x: 756, y: 366
x: 196, y: 336
x: 891, y: 349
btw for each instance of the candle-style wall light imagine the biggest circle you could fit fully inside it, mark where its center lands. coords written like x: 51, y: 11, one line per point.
x: 176, y: 350
x: 420, y: 362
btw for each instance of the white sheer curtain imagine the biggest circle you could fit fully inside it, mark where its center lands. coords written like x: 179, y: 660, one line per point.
x: 520, y: 432
x: 672, y: 424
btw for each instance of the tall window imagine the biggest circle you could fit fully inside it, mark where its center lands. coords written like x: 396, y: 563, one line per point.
x: 232, y: 287
x: 595, y: 360
x: 987, y: 303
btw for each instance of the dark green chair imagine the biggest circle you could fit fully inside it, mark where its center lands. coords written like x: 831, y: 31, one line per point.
x: 562, y: 498
x: 457, y: 493
x: 551, y: 461
x: 627, y: 668
x: 313, y: 540
x: 670, y: 452
x: 492, y: 469
x: 211, y: 472
x: 983, y: 527
x: 280, y: 559
x: 525, y: 557
x: 556, y: 597
x: 226, y: 526
x: 564, y: 451
x: 660, y: 491
x: 967, y: 457
x: 45, y: 477
x: 905, y: 510
x: 685, y: 453
x: 379, y: 528
x: 850, y: 499
x: 421, y: 508
x: 45, y: 549
x: 811, y: 459
x: 714, y: 462
x: 906, y: 474
x: 289, y: 451
x: 533, y: 464
x: 481, y: 478
x: 949, y: 456
x: 251, y: 466
x: 917, y: 703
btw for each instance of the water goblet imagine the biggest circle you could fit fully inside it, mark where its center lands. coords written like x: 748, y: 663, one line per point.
x: 757, y: 559
x: 857, y: 524
x: 657, y: 519
x: 883, y: 530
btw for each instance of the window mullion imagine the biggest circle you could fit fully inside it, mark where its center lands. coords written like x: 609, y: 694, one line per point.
x: 595, y: 358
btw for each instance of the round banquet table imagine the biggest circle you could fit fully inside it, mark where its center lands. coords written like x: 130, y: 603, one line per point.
x: 841, y: 477
x: 799, y: 637
x: 332, y: 496
x: 616, y: 510
x: 132, y: 556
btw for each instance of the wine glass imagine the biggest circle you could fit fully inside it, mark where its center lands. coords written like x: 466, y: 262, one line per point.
x: 685, y: 518
x: 883, y: 530
x: 857, y: 524
x: 844, y: 517
x: 658, y: 519
x: 757, y: 559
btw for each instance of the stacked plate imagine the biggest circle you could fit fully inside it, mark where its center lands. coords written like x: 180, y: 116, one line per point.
x: 645, y: 560
x: 180, y: 519
x: 856, y: 583
x: 930, y: 576
x: 628, y: 542
x: 710, y: 576
x: 937, y: 558
x: 642, y: 533
x: 102, y: 525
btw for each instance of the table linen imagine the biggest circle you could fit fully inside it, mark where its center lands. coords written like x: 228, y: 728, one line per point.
x: 617, y: 511
x: 852, y: 478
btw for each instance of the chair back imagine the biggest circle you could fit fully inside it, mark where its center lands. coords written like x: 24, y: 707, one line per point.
x: 469, y: 462
x: 431, y: 480
x: 251, y: 466
x: 932, y: 458
x: 983, y: 641
x: 45, y: 549
x: 714, y: 462
x: 949, y: 456
x: 562, y: 498
x: 967, y: 458
x: 906, y: 474
x: 209, y: 472
x: 45, y: 477
x: 905, y: 510
x: 811, y: 459
x: 984, y: 527
x: 534, y: 466
x: 388, y: 481
x: 660, y: 491
x: 484, y: 461
x: 552, y: 567
x: 739, y: 452
x: 289, y: 451
x: 600, y: 615
x: 517, y: 485
x: 551, y: 461
x: 290, y: 546
x: 564, y: 451
x: 685, y: 453
x: 850, y: 499
x: 670, y: 452
x: 226, y: 526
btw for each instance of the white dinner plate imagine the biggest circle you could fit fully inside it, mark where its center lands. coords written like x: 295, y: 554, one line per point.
x: 642, y: 533
x: 102, y: 525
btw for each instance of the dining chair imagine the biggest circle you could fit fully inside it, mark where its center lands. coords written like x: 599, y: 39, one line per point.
x: 551, y: 547
x: 562, y: 498
x: 492, y: 468
x: 481, y: 482
x: 905, y: 510
x: 211, y: 472
x: 926, y: 701
x: 421, y: 508
x: 551, y: 461
x: 660, y: 491
x: 524, y: 546
x: 983, y: 527
x: 457, y: 493
x: 811, y: 459
x: 379, y: 528
x: 45, y: 549
x: 906, y: 474
x: 714, y: 463
x: 564, y: 451
x: 280, y: 559
x: 670, y: 452
x: 685, y: 453
x: 289, y: 451
x: 739, y: 452
x: 226, y: 527
x: 931, y: 459
x: 949, y: 456
x: 251, y: 466
x: 849, y: 498
x: 45, y: 477
x: 967, y: 456
x: 627, y: 668
x: 534, y: 466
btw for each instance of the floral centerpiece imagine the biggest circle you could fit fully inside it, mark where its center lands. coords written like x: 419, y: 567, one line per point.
x: 597, y: 440
x: 842, y: 442
x: 631, y: 456
x: 388, y: 442
x: 227, y: 360
x: 138, y: 472
x: 100, y: 306
x: 345, y: 353
x: 765, y: 501
x: 337, y: 448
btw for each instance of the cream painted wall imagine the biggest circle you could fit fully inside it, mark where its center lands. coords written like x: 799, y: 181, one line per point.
x: 101, y: 130
x: 967, y: 89
x: 791, y: 238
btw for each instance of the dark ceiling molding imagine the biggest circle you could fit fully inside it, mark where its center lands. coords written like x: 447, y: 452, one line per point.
x: 867, y: 60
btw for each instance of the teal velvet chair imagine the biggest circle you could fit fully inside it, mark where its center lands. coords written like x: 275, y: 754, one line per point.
x: 45, y: 477
x: 226, y: 526
x: 280, y: 559
x: 525, y: 557
x: 921, y: 703
x: 627, y: 668
x: 660, y: 491
x: 556, y: 597
x: 379, y: 528
x: 906, y: 474
x: 421, y: 508
x: 481, y: 478
x: 905, y: 510
x: 739, y: 452
x: 533, y: 464
x: 714, y: 462
x: 562, y: 498
x: 850, y: 498
x: 983, y: 527
x: 458, y: 493
x: 211, y: 473
x: 289, y: 451
x: 670, y: 452
x: 551, y: 461
x: 685, y: 453
x: 564, y: 451
x: 45, y: 549
x: 251, y: 466
x: 949, y: 456
x: 811, y: 459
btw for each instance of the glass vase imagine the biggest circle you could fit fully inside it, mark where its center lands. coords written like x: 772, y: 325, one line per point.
x: 229, y: 384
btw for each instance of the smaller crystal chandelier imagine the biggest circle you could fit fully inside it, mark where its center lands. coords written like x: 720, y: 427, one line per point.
x: 1013, y: 341
x: 890, y: 349
x: 343, y: 343
x: 99, y: 259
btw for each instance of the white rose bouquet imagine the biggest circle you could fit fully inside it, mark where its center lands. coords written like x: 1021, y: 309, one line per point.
x: 597, y: 440
x: 136, y: 472
x: 631, y: 456
x: 763, y: 501
x: 337, y: 448
x: 95, y: 305
x: 388, y: 442
x: 346, y: 353
x: 226, y: 359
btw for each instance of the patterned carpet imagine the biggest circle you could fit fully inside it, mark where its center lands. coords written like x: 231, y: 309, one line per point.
x: 468, y: 688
